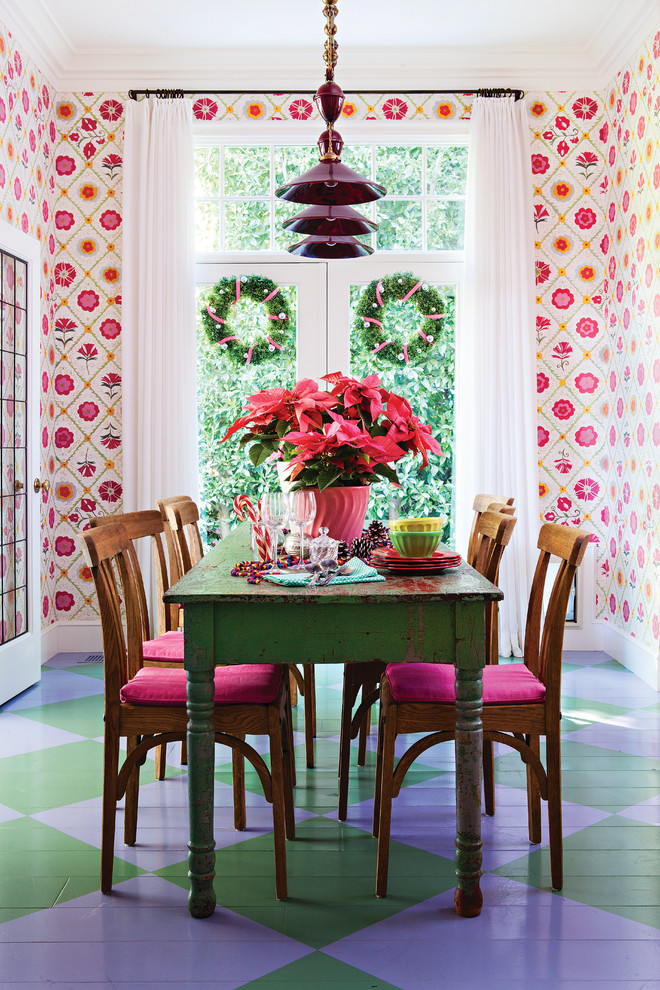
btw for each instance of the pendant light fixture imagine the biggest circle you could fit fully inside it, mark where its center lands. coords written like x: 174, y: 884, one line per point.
x: 331, y: 187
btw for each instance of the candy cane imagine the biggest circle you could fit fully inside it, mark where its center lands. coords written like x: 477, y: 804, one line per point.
x: 243, y: 504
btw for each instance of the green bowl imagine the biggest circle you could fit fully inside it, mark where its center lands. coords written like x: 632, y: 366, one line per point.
x: 416, y: 544
x: 430, y: 524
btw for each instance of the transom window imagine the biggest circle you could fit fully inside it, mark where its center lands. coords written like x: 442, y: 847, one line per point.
x: 237, y: 210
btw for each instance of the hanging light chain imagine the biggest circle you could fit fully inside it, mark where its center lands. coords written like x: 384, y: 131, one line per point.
x: 330, y: 50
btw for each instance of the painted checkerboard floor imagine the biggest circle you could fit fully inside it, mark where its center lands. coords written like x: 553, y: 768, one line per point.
x: 602, y: 931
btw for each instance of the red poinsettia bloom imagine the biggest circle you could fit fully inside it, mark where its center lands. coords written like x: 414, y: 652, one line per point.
x: 407, y: 431
x: 362, y: 397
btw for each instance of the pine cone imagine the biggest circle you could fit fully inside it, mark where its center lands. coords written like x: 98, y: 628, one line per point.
x: 378, y: 533
x: 343, y: 551
x: 361, y: 547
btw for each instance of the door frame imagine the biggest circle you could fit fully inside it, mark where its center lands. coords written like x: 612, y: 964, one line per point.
x: 20, y: 659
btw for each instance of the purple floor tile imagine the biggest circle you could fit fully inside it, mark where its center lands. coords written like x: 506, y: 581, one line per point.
x: 646, y: 811
x: 624, y: 734
x: 24, y: 735
x: 55, y: 685
x: 8, y: 814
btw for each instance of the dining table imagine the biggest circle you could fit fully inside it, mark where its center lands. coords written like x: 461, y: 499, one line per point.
x: 436, y: 618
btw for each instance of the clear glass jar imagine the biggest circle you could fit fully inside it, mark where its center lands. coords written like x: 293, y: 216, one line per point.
x: 323, y: 547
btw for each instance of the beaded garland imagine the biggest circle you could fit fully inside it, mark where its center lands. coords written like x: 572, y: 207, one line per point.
x: 267, y: 341
x: 389, y: 342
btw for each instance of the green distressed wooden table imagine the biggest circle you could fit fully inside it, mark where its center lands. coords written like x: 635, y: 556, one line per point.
x: 438, y: 618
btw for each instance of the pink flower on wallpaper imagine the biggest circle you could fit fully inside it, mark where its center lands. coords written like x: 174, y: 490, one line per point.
x: 111, y: 440
x: 586, y: 489
x: 612, y: 604
x: 562, y: 123
x: 542, y: 323
x: 562, y: 464
x: 540, y: 215
x: 3, y: 177
x: 656, y: 45
x: 64, y: 601
x: 26, y: 101
x: 542, y: 272
x: 563, y: 149
x: 87, y: 353
x: 395, y: 109
x: 65, y: 274
x: 64, y: 384
x: 562, y: 351
x: 564, y: 503
x: 45, y: 606
x: 540, y: 164
x: 18, y: 62
x: 586, y: 383
x: 88, y: 504
x: 110, y: 383
x: 656, y: 176
x: 17, y: 188
x: 542, y: 436
x: 111, y: 110
x: 204, y: 108
x: 25, y: 223
x: 88, y: 300
x: 605, y: 516
x: 110, y: 329
x: 550, y: 516
x: 586, y: 436
x: 110, y: 220
x: 88, y: 411
x: 110, y: 491
x: 585, y: 218
x: 301, y: 109
x: 64, y: 546
x: 586, y: 327
x: 625, y: 610
x: 656, y: 496
x: 63, y: 437
x: 542, y: 382
x: 562, y: 298
x: 64, y: 220
x: 585, y: 108
x: 641, y: 127
x: 65, y: 165
x: 563, y: 409
x: 655, y: 627
x: 88, y: 124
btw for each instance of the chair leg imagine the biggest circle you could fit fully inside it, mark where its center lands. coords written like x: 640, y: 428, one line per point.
x: 288, y: 766
x: 238, y: 778
x: 131, y: 797
x: 310, y: 713
x: 347, y: 701
x: 489, y: 777
x: 184, y: 753
x: 109, y: 812
x: 533, y: 795
x: 279, y: 803
x: 379, y: 774
x: 160, y: 759
x: 553, y: 770
x: 385, y: 800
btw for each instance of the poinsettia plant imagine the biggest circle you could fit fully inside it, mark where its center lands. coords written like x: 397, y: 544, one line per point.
x: 350, y: 435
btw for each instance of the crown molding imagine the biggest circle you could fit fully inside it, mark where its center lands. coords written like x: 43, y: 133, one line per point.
x: 252, y: 69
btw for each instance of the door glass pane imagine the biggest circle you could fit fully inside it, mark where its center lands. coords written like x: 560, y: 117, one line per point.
x: 399, y: 169
x: 225, y: 378
x: 247, y: 226
x: 400, y: 225
x: 427, y: 382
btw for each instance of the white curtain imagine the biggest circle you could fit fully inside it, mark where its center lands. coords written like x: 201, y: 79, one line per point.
x: 496, y: 450
x: 158, y: 337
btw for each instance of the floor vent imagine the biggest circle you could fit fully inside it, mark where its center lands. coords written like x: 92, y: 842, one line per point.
x: 93, y: 658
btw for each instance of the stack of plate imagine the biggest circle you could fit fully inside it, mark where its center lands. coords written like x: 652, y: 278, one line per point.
x: 388, y: 559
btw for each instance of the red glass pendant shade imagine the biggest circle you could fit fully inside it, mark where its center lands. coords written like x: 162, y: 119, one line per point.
x: 330, y: 187
x: 329, y: 221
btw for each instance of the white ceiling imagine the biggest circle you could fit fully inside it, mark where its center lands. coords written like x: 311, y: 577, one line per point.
x: 264, y: 44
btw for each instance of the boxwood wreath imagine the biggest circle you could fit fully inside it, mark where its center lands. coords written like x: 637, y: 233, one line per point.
x: 262, y: 343
x: 376, y: 326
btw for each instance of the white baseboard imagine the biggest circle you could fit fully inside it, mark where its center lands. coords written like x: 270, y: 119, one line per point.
x: 71, y: 637
x: 629, y: 653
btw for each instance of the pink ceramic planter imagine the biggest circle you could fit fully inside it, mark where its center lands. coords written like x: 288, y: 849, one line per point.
x: 342, y: 511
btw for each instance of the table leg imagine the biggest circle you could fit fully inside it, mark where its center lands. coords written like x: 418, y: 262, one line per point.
x: 201, y: 757
x: 469, y: 743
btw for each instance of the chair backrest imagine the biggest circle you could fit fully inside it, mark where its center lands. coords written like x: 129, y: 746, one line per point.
x: 543, y: 647
x: 111, y: 557
x: 146, y: 523
x: 183, y: 519
x: 170, y: 612
x: 492, y: 535
x: 481, y: 504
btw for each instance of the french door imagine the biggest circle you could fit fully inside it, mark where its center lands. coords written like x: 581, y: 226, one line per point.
x: 20, y: 632
x: 324, y: 298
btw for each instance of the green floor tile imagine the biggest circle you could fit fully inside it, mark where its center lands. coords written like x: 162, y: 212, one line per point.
x: 340, y: 862
x: 81, y: 715
x: 94, y: 670
x: 320, y: 972
x: 49, y: 778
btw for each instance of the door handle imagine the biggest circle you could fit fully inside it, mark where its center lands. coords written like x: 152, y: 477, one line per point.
x: 41, y: 485
x: 18, y: 486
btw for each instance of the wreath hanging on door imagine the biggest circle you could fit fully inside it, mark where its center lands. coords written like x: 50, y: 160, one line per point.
x: 378, y: 328
x: 262, y: 342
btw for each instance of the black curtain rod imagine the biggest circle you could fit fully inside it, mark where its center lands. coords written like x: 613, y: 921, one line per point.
x: 178, y: 94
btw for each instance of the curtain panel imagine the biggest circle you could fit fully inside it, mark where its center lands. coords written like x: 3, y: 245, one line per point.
x: 495, y: 438
x: 159, y: 337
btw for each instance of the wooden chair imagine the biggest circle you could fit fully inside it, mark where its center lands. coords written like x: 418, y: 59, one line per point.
x: 183, y: 522
x: 484, y: 503
x: 147, y: 707
x: 521, y: 703
x: 170, y: 616
x: 166, y: 650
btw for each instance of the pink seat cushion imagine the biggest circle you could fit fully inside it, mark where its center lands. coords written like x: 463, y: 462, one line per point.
x: 505, y: 684
x: 242, y: 684
x: 169, y: 646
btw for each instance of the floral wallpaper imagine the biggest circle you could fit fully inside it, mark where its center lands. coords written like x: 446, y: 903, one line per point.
x: 27, y: 137
x: 596, y: 173
x: 630, y: 143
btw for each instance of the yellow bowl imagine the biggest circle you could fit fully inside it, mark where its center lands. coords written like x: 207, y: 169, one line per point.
x: 431, y: 524
x: 415, y: 544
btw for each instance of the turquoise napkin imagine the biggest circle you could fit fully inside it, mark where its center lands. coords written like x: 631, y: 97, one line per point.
x: 298, y: 579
